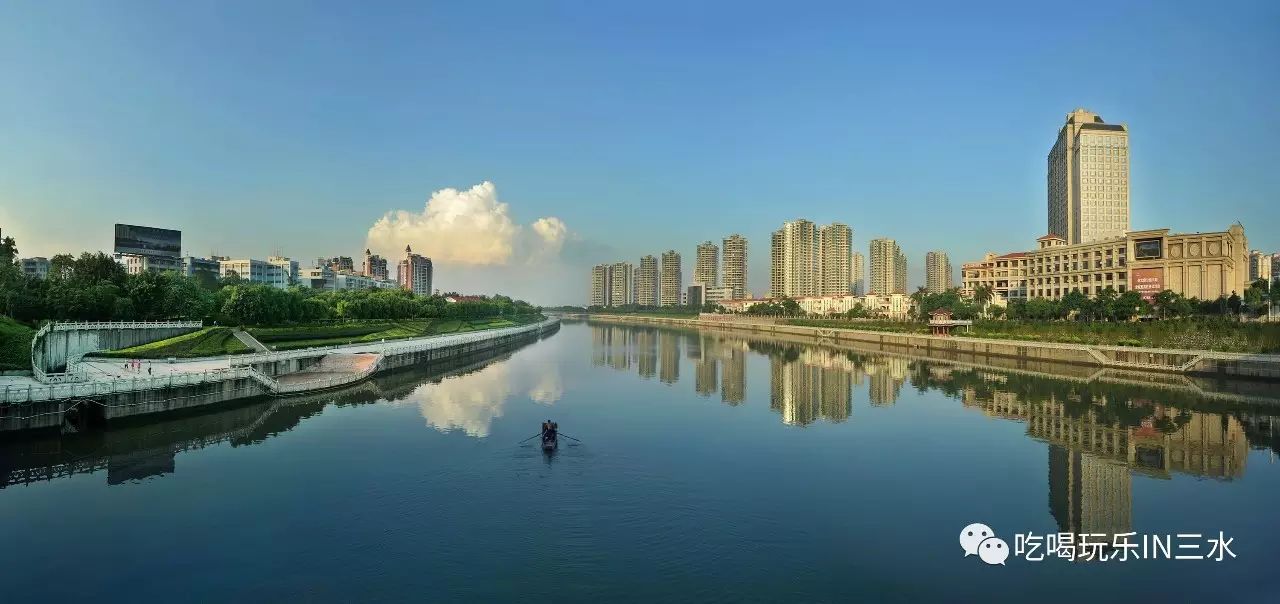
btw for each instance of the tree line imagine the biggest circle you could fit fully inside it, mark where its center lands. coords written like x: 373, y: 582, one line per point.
x: 94, y: 287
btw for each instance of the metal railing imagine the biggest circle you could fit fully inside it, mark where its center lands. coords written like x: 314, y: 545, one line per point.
x: 70, y: 326
x: 47, y: 392
x: 34, y: 392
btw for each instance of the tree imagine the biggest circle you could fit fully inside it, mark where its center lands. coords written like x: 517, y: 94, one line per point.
x: 1165, y: 303
x: 1233, y: 303
x: 1072, y: 304
x: 982, y: 296
x: 1104, y: 303
x: 790, y: 307
x: 1129, y: 305
x: 8, y: 250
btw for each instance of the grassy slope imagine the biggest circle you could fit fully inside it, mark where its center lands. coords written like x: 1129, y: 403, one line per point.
x: 210, y: 341
x: 1191, y: 335
x: 292, y: 338
x: 15, y: 345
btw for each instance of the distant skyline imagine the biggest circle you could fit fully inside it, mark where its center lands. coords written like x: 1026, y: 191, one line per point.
x: 606, y: 133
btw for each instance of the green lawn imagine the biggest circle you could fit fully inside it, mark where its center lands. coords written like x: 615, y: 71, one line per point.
x: 15, y: 345
x: 308, y: 336
x: 210, y: 341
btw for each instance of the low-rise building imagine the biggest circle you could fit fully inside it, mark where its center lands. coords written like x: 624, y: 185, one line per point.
x: 193, y: 266
x: 37, y: 267
x: 1196, y: 265
x: 695, y: 295
x: 719, y: 294
x: 1006, y: 276
x: 135, y: 264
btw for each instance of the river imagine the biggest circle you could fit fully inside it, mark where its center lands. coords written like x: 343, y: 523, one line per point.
x: 711, y: 467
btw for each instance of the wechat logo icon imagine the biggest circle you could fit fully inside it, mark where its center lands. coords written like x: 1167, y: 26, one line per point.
x: 978, y: 538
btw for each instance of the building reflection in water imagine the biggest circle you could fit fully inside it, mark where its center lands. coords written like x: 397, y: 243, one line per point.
x: 1097, y: 435
x: 1093, y: 452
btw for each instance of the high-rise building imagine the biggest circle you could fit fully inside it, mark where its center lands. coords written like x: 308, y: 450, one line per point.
x: 859, y: 275
x: 900, y: 274
x: 1259, y: 266
x: 599, y: 285
x: 670, y: 280
x: 795, y: 260
x: 735, y: 265
x: 937, y: 268
x: 414, y: 273
x: 647, y: 282
x: 621, y: 284
x: 888, y: 267
x: 1088, y: 179
x: 1275, y: 266
x: 375, y: 266
x: 706, y: 265
x: 835, y: 247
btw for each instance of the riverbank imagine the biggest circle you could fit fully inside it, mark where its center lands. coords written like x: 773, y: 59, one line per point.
x: 1213, y: 334
x: 100, y: 395
x: 1174, y: 361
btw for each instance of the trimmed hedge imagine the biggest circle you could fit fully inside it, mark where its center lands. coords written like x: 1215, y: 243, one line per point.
x: 210, y: 341
x: 15, y: 345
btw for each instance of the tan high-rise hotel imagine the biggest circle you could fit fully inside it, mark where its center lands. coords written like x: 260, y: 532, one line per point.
x: 1088, y: 179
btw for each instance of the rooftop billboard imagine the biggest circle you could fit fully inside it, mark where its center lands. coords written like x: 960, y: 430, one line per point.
x: 147, y: 241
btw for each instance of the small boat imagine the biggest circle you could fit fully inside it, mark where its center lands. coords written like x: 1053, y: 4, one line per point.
x: 550, y: 435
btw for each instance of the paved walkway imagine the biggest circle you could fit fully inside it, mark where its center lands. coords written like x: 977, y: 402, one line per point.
x: 248, y: 340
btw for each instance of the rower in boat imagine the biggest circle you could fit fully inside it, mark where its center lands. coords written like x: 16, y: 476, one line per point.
x: 549, y: 436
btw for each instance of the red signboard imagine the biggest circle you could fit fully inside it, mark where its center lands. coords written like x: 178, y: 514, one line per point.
x: 1147, y: 281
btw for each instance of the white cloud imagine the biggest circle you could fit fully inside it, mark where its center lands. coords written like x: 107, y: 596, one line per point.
x: 465, y: 228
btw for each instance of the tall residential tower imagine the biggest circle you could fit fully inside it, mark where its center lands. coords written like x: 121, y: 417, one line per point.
x: 835, y: 248
x: 888, y: 267
x: 794, y: 270
x: 707, y: 265
x: 937, y: 267
x: 859, y: 275
x: 647, y: 281
x: 670, y: 279
x: 735, y: 265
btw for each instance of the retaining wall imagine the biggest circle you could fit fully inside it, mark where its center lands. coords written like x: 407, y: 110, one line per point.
x: 57, y: 344
x: 1189, y: 362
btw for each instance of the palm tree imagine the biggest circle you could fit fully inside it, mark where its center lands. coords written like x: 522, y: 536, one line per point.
x: 918, y: 298
x: 982, y: 295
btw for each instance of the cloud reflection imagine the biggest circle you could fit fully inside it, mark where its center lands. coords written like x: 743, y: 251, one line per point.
x: 471, y: 401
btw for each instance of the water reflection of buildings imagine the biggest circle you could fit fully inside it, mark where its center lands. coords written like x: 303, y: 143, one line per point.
x: 668, y: 357
x: 1091, y: 456
x: 886, y: 374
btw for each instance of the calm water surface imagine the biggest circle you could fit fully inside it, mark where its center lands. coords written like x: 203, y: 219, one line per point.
x: 712, y: 468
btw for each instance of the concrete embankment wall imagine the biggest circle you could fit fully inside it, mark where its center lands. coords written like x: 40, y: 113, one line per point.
x: 1190, y: 362
x: 52, y: 349
x: 105, y: 407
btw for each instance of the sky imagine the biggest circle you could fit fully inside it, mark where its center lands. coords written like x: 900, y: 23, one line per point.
x: 518, y: 143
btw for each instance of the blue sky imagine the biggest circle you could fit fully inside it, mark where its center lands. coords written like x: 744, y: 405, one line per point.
x: 641, y: 126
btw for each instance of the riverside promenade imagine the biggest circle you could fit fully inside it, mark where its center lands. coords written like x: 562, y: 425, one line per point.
x: 104, y: 389
x: 1126, y: 358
